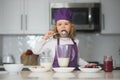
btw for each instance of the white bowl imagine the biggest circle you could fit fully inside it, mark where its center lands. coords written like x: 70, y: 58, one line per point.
x: 13, y: 68
x: 90, y: 69
x: 64, y: 69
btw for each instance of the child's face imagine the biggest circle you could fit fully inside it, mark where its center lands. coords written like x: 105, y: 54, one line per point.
x: 63, y: 25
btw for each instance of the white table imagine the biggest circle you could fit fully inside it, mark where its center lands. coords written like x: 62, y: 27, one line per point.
x: 51, y: 75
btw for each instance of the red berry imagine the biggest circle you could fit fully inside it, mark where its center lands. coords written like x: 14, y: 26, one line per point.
x: 29, y: 52
x: 85, y: 66
x: 94, y: 66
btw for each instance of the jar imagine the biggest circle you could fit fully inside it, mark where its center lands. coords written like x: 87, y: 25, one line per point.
x: 108, y: 63
x: 46, y: 60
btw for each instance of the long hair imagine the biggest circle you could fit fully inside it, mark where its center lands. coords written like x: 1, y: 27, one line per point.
x: 71, y: 33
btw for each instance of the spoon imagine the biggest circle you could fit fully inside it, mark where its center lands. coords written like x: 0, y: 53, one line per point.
x: 63, y: 32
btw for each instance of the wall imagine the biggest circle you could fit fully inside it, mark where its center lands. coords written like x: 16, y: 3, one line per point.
x: 92, y: 46
x: 16, y: 45
x: 1, y: 46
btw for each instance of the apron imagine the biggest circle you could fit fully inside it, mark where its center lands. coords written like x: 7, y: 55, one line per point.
x: 73, y: 54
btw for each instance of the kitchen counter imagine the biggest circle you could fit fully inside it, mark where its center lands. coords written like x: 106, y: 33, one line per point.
x: 51, y: 75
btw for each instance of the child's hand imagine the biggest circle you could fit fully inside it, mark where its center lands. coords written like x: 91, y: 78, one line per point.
x: 49, y: 34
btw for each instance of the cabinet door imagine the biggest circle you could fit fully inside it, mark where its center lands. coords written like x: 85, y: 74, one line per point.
x: 111, y: 16
x: 87, y: 1
x: 10, y: 16
x: 75, y: 1
x: 56, y: 1
x: 37, y: 16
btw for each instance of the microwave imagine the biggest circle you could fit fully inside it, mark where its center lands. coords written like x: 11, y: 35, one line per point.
x: 86, y: 16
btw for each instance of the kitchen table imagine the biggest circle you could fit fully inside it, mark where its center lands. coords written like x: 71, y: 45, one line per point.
x: 51, y: 75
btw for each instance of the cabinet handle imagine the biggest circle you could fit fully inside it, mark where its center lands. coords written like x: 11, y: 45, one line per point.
x: 89, y: 16
x: 103, y: 25
x: 21, y: 22
x: 26, y: 22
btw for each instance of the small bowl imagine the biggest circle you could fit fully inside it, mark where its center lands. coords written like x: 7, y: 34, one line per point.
x: 64, y: 69
x: 13, y: 68
x: 90, y: 70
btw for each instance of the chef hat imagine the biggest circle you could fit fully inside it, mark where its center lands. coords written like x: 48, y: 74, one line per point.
x: 63, y: 14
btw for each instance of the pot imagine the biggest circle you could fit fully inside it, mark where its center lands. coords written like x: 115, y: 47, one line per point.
x: 8, y: 59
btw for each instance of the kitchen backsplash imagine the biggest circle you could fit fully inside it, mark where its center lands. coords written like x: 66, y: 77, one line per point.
x: 92, y: 46
x: 16, y: 45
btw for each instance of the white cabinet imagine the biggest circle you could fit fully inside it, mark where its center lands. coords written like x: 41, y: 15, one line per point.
x: 87, y: 1
x: 24, y: 16
x: 37, y: 15
x: 111, y: 16
x: 10, y: 16
x: 75, y: 1
x: 57, y: 1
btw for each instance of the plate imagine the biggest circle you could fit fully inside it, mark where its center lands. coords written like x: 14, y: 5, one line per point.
x: 90, y: 69
x: 63, y: 69
x: 38, y: 69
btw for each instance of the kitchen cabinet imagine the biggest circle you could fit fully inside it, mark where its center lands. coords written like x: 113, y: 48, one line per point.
x: 110, y: 16
x: 10, y: 16
x: 87, y: 1
x: 74, y: 1
x: 57, y: 1
x: 24, y: 16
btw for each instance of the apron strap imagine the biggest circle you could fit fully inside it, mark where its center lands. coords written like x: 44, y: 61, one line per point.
x: 58, y: 41
x: 73, y: 41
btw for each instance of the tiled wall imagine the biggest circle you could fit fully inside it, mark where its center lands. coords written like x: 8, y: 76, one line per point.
x: 92, y: 47
x: 16, y: 45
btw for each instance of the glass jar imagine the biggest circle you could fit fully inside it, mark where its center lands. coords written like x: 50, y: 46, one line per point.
x: 108, y: 63
x: 46, y: 60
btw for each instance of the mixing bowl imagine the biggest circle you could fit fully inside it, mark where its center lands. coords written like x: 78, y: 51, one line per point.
x: 13, y: 68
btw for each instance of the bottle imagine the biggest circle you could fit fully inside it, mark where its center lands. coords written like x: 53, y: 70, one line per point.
x: 108, y: 63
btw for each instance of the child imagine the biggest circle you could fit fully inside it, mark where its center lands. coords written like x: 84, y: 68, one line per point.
x: 63, y: 23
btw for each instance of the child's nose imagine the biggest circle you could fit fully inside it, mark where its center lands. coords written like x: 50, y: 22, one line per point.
x: 63, y: 26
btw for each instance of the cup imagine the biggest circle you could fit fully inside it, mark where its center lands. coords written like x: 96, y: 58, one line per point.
x: 46, y: 60
x: 63, y: 54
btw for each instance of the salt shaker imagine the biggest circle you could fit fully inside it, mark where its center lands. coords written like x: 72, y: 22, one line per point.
x: 108, y: 63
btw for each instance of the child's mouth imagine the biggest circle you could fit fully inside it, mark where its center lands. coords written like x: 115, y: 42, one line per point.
x: 64, y: 32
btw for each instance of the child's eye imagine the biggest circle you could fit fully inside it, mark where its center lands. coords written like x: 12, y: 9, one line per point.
x: 66, y: 24
x: 59, y: 24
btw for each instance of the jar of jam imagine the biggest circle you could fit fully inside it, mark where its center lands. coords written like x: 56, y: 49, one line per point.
x: 108, y: 63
